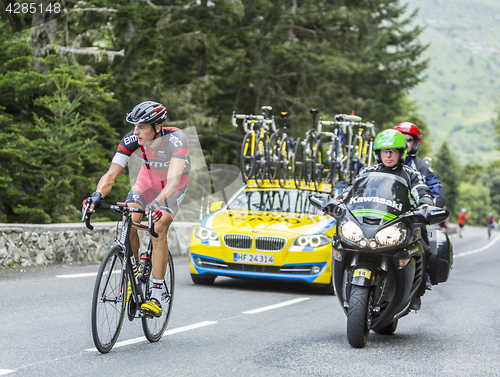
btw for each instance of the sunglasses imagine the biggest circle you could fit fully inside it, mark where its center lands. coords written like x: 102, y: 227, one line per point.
x: 389, y: 151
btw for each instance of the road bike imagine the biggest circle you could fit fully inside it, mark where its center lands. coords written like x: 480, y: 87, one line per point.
x: 361, y: 148
x: 120, y: 282
x: 331, y: 156
x: 304, y: 163
x: 255, y: 147
x: 281, y: 154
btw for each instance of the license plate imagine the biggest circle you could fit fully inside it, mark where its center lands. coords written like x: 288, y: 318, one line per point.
x: 253, y: 258
x: 362, y: 272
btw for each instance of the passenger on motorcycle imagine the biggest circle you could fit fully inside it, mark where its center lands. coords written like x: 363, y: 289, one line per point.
x: 413, y: 140
x: 390, y: 151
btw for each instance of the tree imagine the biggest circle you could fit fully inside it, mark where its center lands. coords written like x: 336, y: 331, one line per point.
x: 447, y: 170
x: 476, y: 199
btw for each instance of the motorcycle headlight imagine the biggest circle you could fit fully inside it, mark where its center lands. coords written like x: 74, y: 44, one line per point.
x: 206, y: 234
x: 351, y: 231
x: 392, y: 235
x: 315, y: 240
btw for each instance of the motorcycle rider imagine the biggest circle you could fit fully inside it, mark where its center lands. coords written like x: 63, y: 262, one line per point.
x: 413, y: 140
x: 390, y: 149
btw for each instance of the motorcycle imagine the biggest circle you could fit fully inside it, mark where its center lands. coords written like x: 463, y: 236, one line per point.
x: 378, y: 259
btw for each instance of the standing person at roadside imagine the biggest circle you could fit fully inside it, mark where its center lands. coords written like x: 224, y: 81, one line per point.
x: 461, y: 220
x: 160, y: 187
x: 413, y: 140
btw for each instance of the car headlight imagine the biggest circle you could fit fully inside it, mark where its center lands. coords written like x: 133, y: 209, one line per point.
x: 351, y: 231
x: 392, y: 235
x: 206, y: 234
x: 314, y: 240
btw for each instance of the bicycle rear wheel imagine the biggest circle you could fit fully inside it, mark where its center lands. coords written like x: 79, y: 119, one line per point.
x: 274, y: 157
x: 247, y: 159
x: 298, y: 163
x: 154, y: 327
x: 309, y: 163
x: 320, y: 161
x: 285, y: 163
x: 109, y: 299
x: 261, y: 153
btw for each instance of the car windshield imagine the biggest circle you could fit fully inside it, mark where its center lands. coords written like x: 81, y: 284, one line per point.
x: 293, y: 201
x: 379, y: 195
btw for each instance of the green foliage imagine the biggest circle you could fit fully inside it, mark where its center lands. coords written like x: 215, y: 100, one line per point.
x: 457, y: 99
x: 447, y: 170
x: 476, y: 199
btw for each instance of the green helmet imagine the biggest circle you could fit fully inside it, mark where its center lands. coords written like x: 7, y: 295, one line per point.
x: 390, y: 139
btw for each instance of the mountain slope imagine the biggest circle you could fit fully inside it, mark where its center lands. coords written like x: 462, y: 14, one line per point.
x: 458, y: 98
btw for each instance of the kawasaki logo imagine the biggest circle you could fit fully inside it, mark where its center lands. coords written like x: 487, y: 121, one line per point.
x: 374, y: 199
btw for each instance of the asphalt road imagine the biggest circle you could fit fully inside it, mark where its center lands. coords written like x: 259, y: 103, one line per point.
x: 254, y: 328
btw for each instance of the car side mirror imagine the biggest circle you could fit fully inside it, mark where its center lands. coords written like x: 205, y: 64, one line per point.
x: 215, y: 206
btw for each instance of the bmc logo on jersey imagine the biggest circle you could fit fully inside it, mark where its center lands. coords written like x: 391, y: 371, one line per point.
x: 130, y: 139
x: 174, y: 140
x: 157, y: 164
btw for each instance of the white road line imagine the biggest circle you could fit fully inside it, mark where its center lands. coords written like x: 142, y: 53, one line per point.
x: 476, y: 250
x: 276, y: 306
x: 168, y: 332
x: 69, y: 276
x: 6, y: 371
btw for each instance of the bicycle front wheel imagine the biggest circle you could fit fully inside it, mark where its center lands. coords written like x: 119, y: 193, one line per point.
x: 108, y: 302
x: 247, y: 158
x: 154, y: 327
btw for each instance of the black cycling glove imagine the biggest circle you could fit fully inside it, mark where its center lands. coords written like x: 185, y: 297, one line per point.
x: 96, y: 199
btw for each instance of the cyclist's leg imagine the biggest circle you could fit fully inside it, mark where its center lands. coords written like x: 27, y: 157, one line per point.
x: 160, y: 246
x: 169, y: 209
x: 137, y: 199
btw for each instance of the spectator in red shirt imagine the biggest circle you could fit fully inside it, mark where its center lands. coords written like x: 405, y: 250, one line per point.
x: 461, y: 220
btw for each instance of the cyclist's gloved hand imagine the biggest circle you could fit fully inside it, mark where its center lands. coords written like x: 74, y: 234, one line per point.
x: 96, y: 200
x: 154, y: 206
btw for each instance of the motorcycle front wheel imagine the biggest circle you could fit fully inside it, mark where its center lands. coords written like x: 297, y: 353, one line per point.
x: 358, y: 321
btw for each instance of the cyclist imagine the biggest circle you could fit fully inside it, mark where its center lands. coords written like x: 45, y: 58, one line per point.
x: 413, y: 140
x: 491, y: 223
x: 161, y: 183
x: 390, y: 152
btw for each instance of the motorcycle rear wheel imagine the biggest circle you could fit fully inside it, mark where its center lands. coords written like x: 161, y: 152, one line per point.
x: 358, y: 321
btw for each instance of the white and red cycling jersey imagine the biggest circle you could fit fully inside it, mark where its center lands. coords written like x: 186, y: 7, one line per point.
x: 152, y: 176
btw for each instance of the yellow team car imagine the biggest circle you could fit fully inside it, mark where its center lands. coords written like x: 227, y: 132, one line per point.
x: 267, y: 233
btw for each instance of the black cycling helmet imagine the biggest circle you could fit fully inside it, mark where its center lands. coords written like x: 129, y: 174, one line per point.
x: 148, y: 112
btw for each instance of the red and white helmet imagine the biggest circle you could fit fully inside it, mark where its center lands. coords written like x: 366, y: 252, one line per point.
x: 411, y: 129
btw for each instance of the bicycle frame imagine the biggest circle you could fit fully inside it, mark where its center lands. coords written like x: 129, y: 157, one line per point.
x: 129, y: 265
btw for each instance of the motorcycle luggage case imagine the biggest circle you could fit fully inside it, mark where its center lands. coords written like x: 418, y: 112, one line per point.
x: 441, y: 259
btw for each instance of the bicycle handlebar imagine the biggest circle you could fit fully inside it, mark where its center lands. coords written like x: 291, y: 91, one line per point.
x: 118, y: 208
x: 252, y: 117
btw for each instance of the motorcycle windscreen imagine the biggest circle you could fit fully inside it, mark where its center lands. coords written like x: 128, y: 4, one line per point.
x: 377, y: 198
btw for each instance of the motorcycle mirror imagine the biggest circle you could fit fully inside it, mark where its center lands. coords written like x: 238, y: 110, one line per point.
x: 319, y: 201
x: 326, y: 204
x: 435, y: 215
